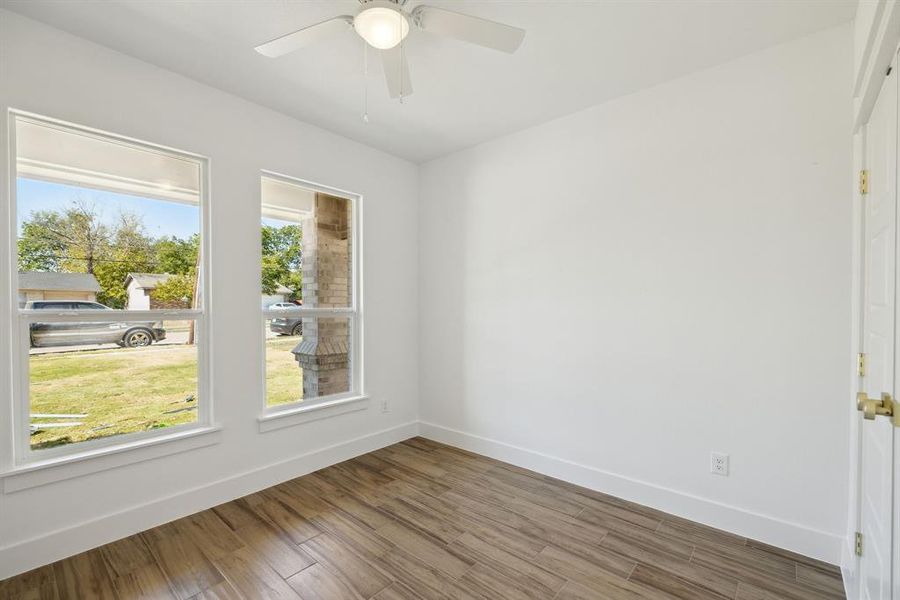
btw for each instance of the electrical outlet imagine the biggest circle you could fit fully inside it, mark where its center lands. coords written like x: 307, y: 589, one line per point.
x: 718, y: 463
x: 384, y: 406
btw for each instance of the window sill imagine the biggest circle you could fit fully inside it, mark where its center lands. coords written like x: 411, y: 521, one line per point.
x: 39, y: 473
x: 305, y: 414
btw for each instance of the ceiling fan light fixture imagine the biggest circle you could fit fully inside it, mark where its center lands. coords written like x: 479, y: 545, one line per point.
x: 382, y: 27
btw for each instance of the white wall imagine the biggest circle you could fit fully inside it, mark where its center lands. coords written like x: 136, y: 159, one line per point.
x: 45, y: 71
x: 138, y: 298
x: 611, y: 296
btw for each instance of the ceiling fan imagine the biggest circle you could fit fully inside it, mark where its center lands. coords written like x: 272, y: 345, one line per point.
x: 383, y: 24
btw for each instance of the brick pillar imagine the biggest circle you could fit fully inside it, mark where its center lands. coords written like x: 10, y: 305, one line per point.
x: 323, y: 354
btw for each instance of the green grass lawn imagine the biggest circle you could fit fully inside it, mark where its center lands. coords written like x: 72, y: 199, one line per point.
x: 284, y: 377
x: 131, y: 390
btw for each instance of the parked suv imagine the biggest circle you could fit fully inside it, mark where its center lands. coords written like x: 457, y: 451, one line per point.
x: 78, y: 333
x: 287, y: 325
x: 292, y: 325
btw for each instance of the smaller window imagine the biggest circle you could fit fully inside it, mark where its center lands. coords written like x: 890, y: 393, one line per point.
x: 309, y: 295
x: 90, y: 306
x: 50, y: 306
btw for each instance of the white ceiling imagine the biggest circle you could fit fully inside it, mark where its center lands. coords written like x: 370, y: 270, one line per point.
x: 576, y: 54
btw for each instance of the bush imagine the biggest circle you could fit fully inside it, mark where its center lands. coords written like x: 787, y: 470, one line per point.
x: 176, y: 292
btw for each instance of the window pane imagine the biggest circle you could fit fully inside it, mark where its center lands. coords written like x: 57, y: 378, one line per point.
x: 100, y: 220
x: 306, y: 247
x: 306, y: 358
x: 90, y: 380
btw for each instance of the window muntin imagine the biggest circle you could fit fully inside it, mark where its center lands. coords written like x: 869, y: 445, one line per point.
x: 311, y: 319
x: 94, y: 217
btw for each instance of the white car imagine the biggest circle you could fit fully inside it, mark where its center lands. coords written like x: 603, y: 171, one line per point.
x: 282, y: 305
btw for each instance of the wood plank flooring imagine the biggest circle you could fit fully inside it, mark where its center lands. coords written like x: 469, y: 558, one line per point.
x: 420, y: 520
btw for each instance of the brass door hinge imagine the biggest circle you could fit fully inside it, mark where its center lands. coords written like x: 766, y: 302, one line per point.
x: 864, y: 182
x: 861, y: 364
x: 858, y: 544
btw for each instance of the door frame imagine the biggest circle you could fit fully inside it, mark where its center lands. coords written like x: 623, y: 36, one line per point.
x: 876, y: 40
x: 849, y: 560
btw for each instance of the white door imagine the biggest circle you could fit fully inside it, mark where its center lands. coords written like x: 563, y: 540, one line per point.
x: 878, y: 329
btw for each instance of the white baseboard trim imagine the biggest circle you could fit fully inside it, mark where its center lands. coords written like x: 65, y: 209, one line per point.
x: 771, y: 530
x: 59, y: 544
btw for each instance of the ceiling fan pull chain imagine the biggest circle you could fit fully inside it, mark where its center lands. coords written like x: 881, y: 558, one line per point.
x: 365, y: 81
x: 400, y: 62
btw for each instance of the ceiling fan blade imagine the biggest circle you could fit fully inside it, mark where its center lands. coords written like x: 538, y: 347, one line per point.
x: 305, y: 37
x: 396, y: 71
x: 467, y: 28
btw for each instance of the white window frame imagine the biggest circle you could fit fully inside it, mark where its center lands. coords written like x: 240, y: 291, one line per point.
x: 20, y: 319
x: 353, y: 312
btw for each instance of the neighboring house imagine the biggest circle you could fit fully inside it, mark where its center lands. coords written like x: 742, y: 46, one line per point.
x: 140, y: 286
x: 281, y: 295
x: 57, y: 286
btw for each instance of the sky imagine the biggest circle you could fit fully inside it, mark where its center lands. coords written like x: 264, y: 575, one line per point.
x: 161, y: 218
x: 276, y: 222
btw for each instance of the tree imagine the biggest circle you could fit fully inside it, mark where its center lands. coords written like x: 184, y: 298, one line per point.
x: 130, y: 250
x: 38, y: 249
x: 175, y: 255
x: 176, y: 291
x: 77, y: 240
x: 281, y: 254
x: 69, y: 241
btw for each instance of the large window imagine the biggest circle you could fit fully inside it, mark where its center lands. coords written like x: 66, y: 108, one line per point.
x: 109, y: 315
x: 309, y: 296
